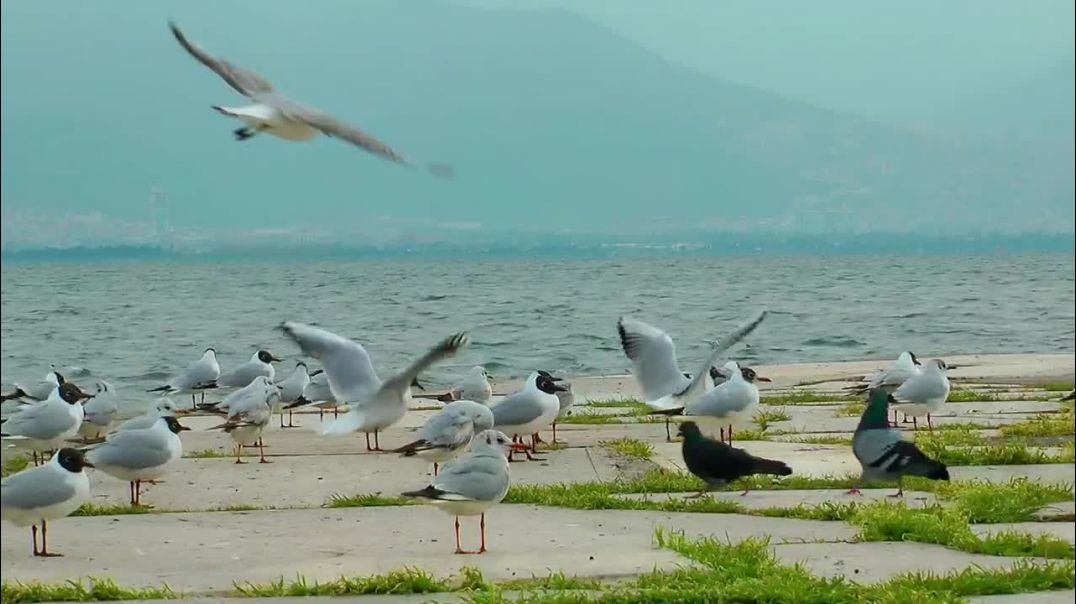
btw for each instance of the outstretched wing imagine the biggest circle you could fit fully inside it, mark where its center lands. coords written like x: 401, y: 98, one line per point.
x: 444, y: 349
x: 244, y: 81
x: 347, y: 365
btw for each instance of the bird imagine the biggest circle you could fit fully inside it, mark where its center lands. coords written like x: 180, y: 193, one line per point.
x: 197, y: 377
x: 374, y: 405
x: 99, y: 413
x: 924, y: 393
x: 473, y: 484
x: 47, y: 492
x: 567, y: 399
x: 139, y: 456
x: 718, y: 463
x: 653, y: 357
x: 292, y: 389
x: 280, y: 116
x: 35, y: 391
x: 260, y: 364
x: 46, y: 425
x: 890, y: 378
x: 248, y: 416
x: 317, y: 394
x: 527, y: 411
x: 728, y: 403
x: 474, y: 386
x: 449, y: 432
x: 164, y: 407
x: 883, y: 454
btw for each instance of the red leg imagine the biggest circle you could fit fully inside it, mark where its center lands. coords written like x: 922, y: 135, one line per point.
x: 261, y: 452
x: 239, y: 454
x: 854, y: 491
x: 459, y: 546
x: 44, y: 541
x: 482, y: 549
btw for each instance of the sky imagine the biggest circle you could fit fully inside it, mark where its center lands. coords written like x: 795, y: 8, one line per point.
x: 558, y: 116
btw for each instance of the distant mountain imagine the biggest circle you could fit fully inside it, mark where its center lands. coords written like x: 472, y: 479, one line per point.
x: 552, y: 121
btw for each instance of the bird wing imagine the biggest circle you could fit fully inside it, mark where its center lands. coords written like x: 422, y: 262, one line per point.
x: 35, y: 488
x: 702, y: 376
x: 243, y: 375
x: 719, y: 402
x: 244, y: 81
x: 443, y: 350
x: 474, y: 478
x: 134, y: 450
x: 516, y: 410
x: 921, y: 387
x: 347, y: 365
x: 653, y: 358
x: 329, y: 125
x: 40, y: 421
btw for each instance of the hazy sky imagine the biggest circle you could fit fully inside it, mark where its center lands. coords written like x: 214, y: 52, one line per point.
x: 591, y: 114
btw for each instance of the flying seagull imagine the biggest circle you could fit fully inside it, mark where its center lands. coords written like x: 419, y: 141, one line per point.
x: 276, y: 114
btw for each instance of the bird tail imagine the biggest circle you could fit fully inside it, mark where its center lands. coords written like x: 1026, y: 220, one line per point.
x: 18, y: 393
x: 164, y: 388
x: 412, y: 449
x: 929, y: 468
x: 671, y: 411
x: 430, y: 492
x: 858, y: 388
x: 346, y: 424
x: 771, y: 466
x: 299, y: 402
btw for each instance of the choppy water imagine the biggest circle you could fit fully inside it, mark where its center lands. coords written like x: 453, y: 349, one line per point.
x: 136, y: 323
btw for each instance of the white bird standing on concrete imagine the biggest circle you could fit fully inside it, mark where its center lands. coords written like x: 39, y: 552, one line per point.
x: 291, y: 390
x: 472, y: 485
x: 99, y: 413
x: 924, y: 393
x: 138, y: 456
x: 36, y: 495
x: 46, y: 425
x: 249, y: 415
x: 729, y: 403
x: 474, y: 386
x: 448, y: 433
x: 259, y: 365
x: 527, y: 411
x: 197, y: 377
x: 373, y: 405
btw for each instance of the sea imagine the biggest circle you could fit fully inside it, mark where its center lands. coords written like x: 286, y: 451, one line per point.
x: 134, y: 324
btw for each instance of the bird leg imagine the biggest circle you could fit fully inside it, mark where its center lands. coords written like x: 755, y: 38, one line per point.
x: 900, y: 489
x: 33, y: 535
x: 668, y: 434
x: 482, y: 524
x: 436, y: 467
x: 537, y: 438
x: 905, y: 420
x: 131, y: 492
x: 44, y: 541
x: 368, y: 447
x: 193, y: 400
x: 377, y: 441
x: 34, y: 454
x: 554, y: 433
x: 722, y: 434
x: 291, y: 420
x: 915, y: 424
x: 930, y: 426
x: 242, y: 134
x: 336, y: 412
x: 730, y: 434
x: 321, y: 414
x: 239, y: 454
x: 854, y: 491
x: 261, y: 452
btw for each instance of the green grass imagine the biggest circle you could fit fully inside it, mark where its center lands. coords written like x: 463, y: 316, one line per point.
x: 112, y: 509
x: 993, y: 503
x: 991, y: 455
x: 751, y: 435
x: 948, y: 526
x: 630, y: 447
x: 1058, y: 387
x: 802, y: 397
x: 852, y: 409
x: 13, y: 465
x: 590, y: 419
x: 92, y: 589
x: 825, y: 440
x: 555, y: 581
x: 1046, y: 425
x: 367, y: 500
x: 633, y: 407
x: 971, y: 396
x: 207, y: 454
x: 403, y: 581
x: 765, y: 417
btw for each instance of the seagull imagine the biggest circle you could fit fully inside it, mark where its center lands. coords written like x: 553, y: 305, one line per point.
x: 653, y: 358
x: 260, y: 364
x: 47, y: 492
x: 567, y: 399
x: 728, y: 403
x: 140, y: 455
x: 99, y: 413
x: 474, y: 386
x: 472, y: 485
x: 449, y: 432
x: 249, y: 415
x: 36, y: 391
x: 883, y: 454
x: 317, y: 394
x: 292, y: 389
x: 890, y: 378
x: 924, y: 393
x: 373, y: 405
x: 276, y: 114
x: 46, y: 425
x: 718, y: 464
x: 198, y: 376
x: 527, y: 411
x: 164, y: 407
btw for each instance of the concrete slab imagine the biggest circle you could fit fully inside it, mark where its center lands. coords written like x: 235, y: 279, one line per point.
x: 1066, y: 531
x: 310, y: 480
x: 1054, y: 473
x: 1065, y: 510
x: 208, y: 552
x: 1039, y: 597
x: 874, y: 562
x: 760, y: 500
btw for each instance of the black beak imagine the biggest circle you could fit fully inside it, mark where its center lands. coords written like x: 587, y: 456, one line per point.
x: 275, y: 358
x: 762, y: 379
x: 87, y: 464
x: 559, y: 388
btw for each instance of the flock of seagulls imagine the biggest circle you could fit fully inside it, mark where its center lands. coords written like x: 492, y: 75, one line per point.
x: 470, y: 441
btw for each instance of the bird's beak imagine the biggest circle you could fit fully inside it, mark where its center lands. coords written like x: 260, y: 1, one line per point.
x: 87, y: 464
x: 182, y: 427
x: 82, y: 396
x: 317, y: 372
x: 949, y: 367
x: 275, y: 358
x: 762, y: 379
x: 559, y: 388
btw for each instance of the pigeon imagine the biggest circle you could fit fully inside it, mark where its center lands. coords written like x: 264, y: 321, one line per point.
x: 884, y: 455
x: 473, y: 484
x: 448, y: 433
x: 140, y: 455
x: 718, y: 464
x: 654, y: 365
x: 924, y: 393
x: 275, y: 114
x: 48, y: 492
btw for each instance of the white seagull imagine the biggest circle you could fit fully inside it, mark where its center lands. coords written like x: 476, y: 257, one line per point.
x: 36, y: 495
x: 198, y: 376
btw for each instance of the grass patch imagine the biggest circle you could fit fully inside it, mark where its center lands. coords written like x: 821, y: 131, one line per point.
x: 992, y: 503
x: 751, y: 435
x: 853, y: 409
x: 1047, y: 425
x: 990, y: 455
x: 1058, y: 387
x: 825, y: 440
x: 556, y: 581
x: 948, y: 526
x: 112, y: 509
x: 630, y: 447
x: 748, y: 572
x: 403, y: 581
x: 13, y: 465
x: 765, y: 417
x: 367, y: 500
x: 590, y: 419
x: 78, y: 591
x: 972, y: 396
x: 807, y: 397
x: 207, y: 454
x: 633, y: 406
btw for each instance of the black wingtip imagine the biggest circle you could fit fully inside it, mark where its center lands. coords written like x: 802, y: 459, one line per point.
x: 430, y: 492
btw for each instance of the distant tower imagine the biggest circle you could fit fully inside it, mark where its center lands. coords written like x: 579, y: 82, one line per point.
x: 158, y: 202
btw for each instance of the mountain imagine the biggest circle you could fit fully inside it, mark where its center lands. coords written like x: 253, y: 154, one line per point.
x: 552, y: 122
